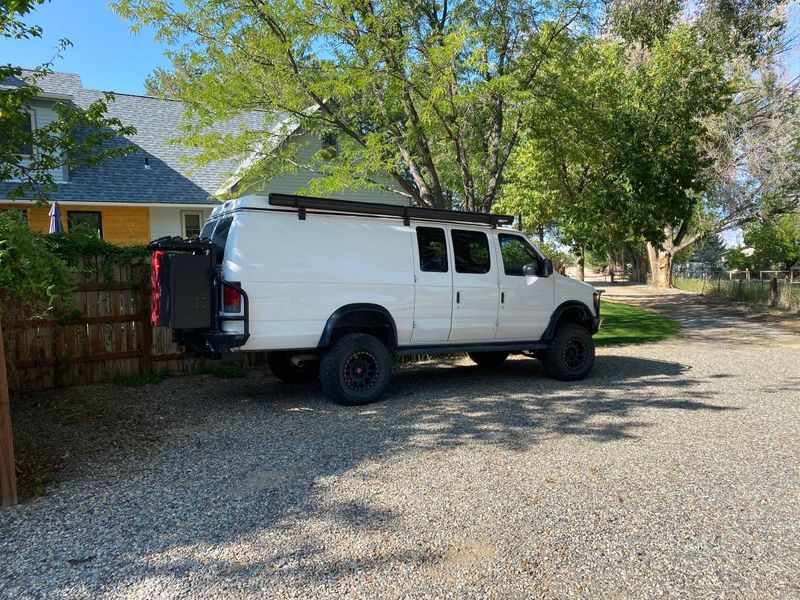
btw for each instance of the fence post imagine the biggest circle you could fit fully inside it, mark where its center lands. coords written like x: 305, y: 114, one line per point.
x: 8, y: 475
x: 773, y: 291
x: 146, y: 364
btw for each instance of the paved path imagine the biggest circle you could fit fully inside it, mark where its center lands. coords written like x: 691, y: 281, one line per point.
x: 673, y: 471
x: 703, y: 319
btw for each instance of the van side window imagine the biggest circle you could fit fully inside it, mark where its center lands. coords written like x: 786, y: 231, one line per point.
x: 432, y: 249
x: 471, y: 251
x: 516, y: 254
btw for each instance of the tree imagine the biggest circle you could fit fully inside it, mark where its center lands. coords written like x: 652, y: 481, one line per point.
x: 614, y: 155
x: 750, y: 148
x: 776, y: 241
x: 77, y: 137
x: 430, y: 94
x: 162, y: 83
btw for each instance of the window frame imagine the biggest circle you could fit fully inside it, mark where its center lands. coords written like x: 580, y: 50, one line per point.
x: 453, y: 231
x: 99, y: 213
x: 23, y: 211
x: 446, y: 252
x: 32, y: 122
x: 525, y: 243
x: 184, y: 214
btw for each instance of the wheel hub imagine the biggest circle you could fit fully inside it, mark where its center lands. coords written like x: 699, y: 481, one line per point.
x: 574, y: 354
x: 361, y: 371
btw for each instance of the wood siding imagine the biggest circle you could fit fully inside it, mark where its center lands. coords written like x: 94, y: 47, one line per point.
x: 121, y: 224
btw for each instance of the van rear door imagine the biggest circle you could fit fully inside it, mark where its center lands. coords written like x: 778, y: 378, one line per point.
x: 433, y: 285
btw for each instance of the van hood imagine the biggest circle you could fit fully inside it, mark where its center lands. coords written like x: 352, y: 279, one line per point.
x: 567, y: 288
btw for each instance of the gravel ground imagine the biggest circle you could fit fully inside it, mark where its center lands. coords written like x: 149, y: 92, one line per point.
x: 673, y: 471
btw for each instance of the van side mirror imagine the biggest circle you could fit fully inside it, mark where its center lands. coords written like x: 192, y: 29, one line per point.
x: 530, y: 269
x: 547, y: 268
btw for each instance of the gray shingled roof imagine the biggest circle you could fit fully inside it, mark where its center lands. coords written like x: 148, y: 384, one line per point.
x: 171, y: 178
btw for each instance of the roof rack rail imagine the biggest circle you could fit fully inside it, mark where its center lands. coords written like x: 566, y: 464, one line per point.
x: 304, y: 203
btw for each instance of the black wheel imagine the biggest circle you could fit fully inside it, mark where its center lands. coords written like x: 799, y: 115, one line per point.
x: 356, y: 370
x: 570, y: 355
x: 488, y: 359
x: 281, y: 366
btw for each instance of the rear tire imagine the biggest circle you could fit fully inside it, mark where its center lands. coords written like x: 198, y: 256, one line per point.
x: 356, y: 370
x: 570, y: 354
x: 281, y: 366
x: 488, y: 359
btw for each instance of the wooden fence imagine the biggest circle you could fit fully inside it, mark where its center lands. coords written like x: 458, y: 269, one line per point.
x: 109, y: 336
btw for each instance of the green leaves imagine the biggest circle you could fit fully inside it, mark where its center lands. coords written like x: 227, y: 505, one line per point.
x: 427, y: 94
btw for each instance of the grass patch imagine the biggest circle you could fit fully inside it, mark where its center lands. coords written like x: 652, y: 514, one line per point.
x: 133, y: 381
x: 221, y: 370
x: 626, y: 324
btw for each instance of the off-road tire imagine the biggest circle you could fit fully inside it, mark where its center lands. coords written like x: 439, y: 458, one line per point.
x: 280, y: 365
x: 570, y: 354
x: 488, y: 359
x: 356, y: 370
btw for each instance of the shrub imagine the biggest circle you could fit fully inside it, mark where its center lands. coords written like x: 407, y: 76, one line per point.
x: 33, y: 280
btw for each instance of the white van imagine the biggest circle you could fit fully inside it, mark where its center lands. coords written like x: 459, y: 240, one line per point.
x: 334, y: 289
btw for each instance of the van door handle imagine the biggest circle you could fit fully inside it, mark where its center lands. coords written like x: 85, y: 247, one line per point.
x: 502, y: 297
x: 458, y: 297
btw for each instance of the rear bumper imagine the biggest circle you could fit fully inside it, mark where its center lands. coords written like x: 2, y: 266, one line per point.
x: 204, y: 343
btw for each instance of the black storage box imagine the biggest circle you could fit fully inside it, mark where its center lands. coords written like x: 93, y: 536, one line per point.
x: 184, y: 291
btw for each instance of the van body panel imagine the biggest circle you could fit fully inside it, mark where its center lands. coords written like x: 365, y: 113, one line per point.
x: 299, y: 272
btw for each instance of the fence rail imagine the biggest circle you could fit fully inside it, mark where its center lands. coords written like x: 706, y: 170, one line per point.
x: 742, y: 286
x: 109, y: 336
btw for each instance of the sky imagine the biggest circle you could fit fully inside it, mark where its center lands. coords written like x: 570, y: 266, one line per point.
x: 104, y: 52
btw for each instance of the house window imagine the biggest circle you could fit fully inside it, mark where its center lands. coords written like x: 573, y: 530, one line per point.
x: 191, y: 223
x: 22, y: 212
x: 330, y: 143
x: 88, y: 220
x: 24, y: 142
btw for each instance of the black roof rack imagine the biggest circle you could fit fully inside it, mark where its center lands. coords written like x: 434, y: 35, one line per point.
x: 304, y: 203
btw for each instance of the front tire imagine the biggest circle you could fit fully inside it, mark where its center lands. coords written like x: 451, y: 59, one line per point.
x: 281, y: 366
x: 356, y: 370
x: 570, y: 355
x: 488, y: 359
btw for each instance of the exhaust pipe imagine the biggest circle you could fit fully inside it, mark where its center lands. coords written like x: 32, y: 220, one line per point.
x: 299, y: 360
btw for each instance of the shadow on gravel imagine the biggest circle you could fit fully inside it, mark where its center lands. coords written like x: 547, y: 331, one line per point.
x: 228, y: 461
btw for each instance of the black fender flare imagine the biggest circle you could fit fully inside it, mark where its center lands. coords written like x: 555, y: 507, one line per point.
x: 588, y: 316
x: 348, y: 309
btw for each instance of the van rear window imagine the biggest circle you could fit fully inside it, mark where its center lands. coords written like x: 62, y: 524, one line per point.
x: 220, y: 236
x: 207, y: 230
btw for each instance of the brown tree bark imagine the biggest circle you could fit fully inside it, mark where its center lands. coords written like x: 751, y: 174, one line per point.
x: 581, y: 271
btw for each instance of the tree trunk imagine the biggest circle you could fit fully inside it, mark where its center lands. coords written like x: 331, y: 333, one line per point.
x: 660, y: 266
x: 580, y: 265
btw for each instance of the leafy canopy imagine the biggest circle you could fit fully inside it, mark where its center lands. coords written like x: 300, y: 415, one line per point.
x: 426, y: 97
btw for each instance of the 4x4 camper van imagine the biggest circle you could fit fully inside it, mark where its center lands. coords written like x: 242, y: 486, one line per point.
x: 333, y: 289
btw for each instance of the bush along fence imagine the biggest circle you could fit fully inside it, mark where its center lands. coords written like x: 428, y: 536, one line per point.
x: 107, y: 336
x: 778, y: 289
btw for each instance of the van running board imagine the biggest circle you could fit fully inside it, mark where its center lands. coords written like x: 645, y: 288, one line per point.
x: 453, y: 348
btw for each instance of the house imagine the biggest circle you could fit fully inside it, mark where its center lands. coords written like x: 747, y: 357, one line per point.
x: 155, y: 190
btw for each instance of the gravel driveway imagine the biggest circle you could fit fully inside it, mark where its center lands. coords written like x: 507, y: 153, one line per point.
x: 673, y: 471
